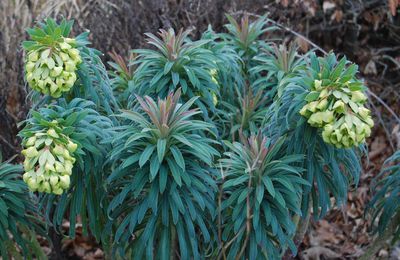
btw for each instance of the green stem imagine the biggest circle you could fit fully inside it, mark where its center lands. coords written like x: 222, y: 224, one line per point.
x: 302, y: 227
x: 107, y: 249
x: 248, y: 221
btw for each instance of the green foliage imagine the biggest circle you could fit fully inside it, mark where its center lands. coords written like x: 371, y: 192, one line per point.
x: 93, y: 83
x: 164, y: 181
x: 84, y: 126
x: 176, y: 62
x: 246, y: 38
x: 145, y: 180
x: 18, y: 216
x: 276, y: 65
x: 263, y: 191
x: 228, y: 74
x: 47, y: 34
x: 71, y: 119
x: 120, y: 79
x: 49, y: 158
x: 386, y: 201
x: 246, y: 115
x: 243, y: 88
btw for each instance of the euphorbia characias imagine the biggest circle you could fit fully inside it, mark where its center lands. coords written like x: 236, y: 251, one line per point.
x: 162, y: 161
x: 62, y: 134
x: 176, y: 63
x: 262, y: 189
x: 52, y: 58
x: 145, y: 181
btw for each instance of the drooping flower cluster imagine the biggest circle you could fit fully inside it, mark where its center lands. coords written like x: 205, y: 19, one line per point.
x: 51, y: 70
x: 48, y: 161
x: 339, y: 110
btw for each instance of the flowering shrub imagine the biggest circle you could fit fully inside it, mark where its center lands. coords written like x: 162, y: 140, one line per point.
x: 211, y: 148
x: 69, y: 159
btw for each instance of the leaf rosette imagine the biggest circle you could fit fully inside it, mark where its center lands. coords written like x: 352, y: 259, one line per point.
x: 163, y: 178
x: 263, y: 190
x: 176, y: 63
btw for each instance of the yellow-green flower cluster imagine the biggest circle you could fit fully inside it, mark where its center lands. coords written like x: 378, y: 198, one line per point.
x: 48, y: 161
x: 341, y: 114
x: 52, y: 70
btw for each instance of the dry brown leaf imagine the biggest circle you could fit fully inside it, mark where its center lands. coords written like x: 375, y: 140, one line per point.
x: 363, y: 239
x: 393, y: 4
x: 315, y: 253
x: 327, y: 6
x: 337, y: 16
x: 303, y: 44
x: 348, y: 249
x: 383, y: 253
x: 377, y: 147
x: 99, y: 253
x: 396, y: 135
x: 284, y: 3
x: 310, y: 6
x: 79, y: 251
x: 370, y: 68
x: 326, y: 233
x: 89, y: 256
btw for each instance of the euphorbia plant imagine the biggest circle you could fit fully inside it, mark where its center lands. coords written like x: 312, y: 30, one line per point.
x: 19, y: 223
x: 63, y: 132
x: 163, y: 180
x: 228, y: 72
x: 48, y: 158
x: 277, y: 65
x: 384, y: 206
x: 246, y: 114
x: 263, y: 188
x: 176, y: 63
x: 246, y: 38
x: 64, y: 157
x: 144, y: 181
x: 121, y: 78
x: 336, y: 102
x: 329, y: 170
